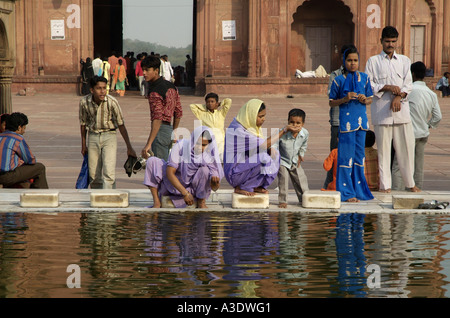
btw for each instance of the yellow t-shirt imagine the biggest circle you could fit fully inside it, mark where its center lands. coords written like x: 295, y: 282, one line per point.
x: 215, y: 121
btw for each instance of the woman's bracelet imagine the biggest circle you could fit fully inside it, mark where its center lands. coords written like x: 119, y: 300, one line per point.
x: 187, y: 193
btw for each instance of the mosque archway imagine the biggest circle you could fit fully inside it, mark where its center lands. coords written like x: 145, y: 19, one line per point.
x: 317, y: 35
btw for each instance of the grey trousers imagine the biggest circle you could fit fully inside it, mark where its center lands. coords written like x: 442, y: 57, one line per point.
x: 419, y: 155
x: 299, y: 181
x: 163, y: 142
x: 102, y: 153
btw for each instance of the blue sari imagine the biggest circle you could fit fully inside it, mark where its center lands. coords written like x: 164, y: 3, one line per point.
x: 353, y: 124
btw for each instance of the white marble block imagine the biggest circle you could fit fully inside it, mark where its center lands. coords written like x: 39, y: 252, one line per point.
x: 258, y: 201
x: 317, y: 199
x: 167, y: 203
x: 406, y: 201
x: 39, y: 199
x: 110, y: 199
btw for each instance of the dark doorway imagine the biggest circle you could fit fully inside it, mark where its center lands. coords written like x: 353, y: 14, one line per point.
x: 317, y: 34
x: 108, y: 33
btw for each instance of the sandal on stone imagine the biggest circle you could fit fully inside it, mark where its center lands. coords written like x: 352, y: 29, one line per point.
x: 434, y: 205
x: 427, y: 206
x: 442, y: 205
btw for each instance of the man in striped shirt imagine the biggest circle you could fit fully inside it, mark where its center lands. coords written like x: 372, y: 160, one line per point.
x: 100, y: 115
x: 17, y: 163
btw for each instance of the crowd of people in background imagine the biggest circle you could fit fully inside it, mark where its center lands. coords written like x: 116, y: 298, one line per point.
x: 125, y: 73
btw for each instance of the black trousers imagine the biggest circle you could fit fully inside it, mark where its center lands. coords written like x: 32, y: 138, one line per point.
x: 25, y: 173
x: 445, y: 90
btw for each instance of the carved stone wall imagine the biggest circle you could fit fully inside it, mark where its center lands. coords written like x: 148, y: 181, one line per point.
x: 7, y: 54
x: 277, y: 44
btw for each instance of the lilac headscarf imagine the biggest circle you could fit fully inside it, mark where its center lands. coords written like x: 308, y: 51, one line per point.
x: 242, y: 145
x: 187, y: 158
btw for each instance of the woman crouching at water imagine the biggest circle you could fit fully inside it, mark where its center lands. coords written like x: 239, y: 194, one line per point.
x: 250, y: 164
x: 193, y: 169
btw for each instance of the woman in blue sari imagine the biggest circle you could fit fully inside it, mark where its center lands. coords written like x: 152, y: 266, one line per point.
x: 352, y: 91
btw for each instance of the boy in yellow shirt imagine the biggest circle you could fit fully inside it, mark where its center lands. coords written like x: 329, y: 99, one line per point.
x: 213, y: 115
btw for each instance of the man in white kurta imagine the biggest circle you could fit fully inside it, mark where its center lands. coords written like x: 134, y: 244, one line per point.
x: 425, y: 114
x: 391, y: 83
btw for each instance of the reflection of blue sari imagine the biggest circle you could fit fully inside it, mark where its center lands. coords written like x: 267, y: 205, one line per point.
x: 350, y: 253
x: 353, y: 124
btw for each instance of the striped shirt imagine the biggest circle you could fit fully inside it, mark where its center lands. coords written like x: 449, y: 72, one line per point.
x: 14, y: 151
x: 100, y: 118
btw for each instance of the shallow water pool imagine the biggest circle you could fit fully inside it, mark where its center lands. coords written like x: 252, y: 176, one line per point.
x: 230, y: 254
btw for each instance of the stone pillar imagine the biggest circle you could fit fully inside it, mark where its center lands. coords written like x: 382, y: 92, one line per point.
x: 252, y: 36
x: 7, y: 56
x: 5, y: 89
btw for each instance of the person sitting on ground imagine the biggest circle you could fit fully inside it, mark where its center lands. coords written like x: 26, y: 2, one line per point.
x: 213, y: 115
x: 292, y: 147
x: 17, y: 163
x: 443, y: 84
x: 250, y: 163
x: 3, y: 122
x: 191, y: 172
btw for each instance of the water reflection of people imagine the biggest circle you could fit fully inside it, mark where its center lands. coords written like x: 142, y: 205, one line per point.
x: 350, y: 254
x: 248, y: 242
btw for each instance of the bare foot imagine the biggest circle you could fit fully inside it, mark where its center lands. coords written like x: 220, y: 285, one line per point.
x: 201, y: 204
x: 385, y: 190
x: 414, y: 189
x: 243, y: 192
x: 156, y: 205
x: 261, y: 190
x: 155, y: 195
x: 352, y: 200
x: 282, y: 205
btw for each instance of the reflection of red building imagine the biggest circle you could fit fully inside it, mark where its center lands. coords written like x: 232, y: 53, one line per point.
x: 273, y: 38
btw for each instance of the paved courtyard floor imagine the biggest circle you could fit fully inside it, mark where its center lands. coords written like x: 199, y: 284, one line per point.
x: 53, y: 134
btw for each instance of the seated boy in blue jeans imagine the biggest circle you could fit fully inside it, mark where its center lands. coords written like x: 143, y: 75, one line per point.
x: 292, y: 147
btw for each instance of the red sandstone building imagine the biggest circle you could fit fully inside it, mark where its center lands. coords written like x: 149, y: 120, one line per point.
x: 241, y: 46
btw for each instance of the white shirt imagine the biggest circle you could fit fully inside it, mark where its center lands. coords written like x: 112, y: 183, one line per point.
x: 442, y: 82
x: 168, y: 71
x: 385, y: 71
x: 424, y: 108
x: 96, y: 65
x: 290, y: 148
